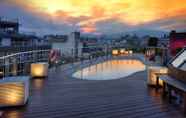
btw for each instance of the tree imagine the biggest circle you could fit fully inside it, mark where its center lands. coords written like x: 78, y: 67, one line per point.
x: 153, y: 41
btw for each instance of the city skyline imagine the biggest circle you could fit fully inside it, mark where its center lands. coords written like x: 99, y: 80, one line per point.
x: 94, y: 16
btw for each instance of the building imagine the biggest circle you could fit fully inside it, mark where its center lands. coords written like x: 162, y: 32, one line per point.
x: 69, y: 45
x: 12, y: 41
x: 89, y: 44
x: 177, y: 42
x: 163, y: 42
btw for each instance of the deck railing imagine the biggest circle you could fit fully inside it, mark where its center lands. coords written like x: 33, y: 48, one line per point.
x: 19, y: 63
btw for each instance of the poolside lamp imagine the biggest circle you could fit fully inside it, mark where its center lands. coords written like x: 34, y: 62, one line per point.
x: 39, y: 69
x: 130, y: 52
x: 115, y: 52
x: 154, y: 72
x: 127, y: 52
x: 122, y: 51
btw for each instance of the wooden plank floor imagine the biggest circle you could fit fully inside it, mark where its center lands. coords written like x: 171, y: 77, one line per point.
x: 60, y: 96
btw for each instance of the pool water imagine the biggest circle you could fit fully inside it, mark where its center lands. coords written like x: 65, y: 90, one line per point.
x: 113, y: 69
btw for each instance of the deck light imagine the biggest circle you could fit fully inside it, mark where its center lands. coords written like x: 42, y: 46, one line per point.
x: 39, y: 69
x: 115, y: 52
x: 153, y: 73
x: 126, y: 52
x: 14, y: 91
x: 122, y: 51
x: 130, y: 52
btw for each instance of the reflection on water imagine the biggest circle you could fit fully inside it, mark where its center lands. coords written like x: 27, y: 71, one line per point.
x: 113, y: 69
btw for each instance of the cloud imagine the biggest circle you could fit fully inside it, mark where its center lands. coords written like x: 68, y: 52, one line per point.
x: 36, y: 21
x: 98, y: 15
x: 89, y: 29
x: 62, y: 16
x: 169, y: 22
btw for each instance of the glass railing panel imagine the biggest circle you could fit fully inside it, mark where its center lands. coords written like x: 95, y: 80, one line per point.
x: 183, y: 67
x: 179, y: 60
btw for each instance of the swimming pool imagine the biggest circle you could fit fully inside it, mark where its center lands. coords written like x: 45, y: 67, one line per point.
x: 112, y: 69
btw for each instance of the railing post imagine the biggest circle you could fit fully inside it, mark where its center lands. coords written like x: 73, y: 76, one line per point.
x: 34, y: 57
x: 14, y: 69
x: 7, y: 68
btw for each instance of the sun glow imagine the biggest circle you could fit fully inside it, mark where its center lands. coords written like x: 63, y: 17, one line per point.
x: 85, y: 12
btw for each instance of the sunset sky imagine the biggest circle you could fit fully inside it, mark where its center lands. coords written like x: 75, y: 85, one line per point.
x: 95, y: 16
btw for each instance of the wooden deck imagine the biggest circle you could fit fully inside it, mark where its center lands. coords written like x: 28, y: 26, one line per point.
x: 60, y: 96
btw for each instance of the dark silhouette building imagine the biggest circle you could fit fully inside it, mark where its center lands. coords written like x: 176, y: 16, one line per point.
x: 177, y: 42
x: 12, y: 41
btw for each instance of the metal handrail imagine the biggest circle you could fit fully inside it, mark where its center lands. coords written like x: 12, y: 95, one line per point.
x: 20, y: 53
x: 177, y: 55
x: 21, y: 61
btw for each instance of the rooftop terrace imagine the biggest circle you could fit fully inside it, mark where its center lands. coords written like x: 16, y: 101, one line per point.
x: 61, y: 96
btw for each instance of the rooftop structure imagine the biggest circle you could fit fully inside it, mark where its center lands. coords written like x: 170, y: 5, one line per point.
x: 57, y: 38
x: 9, y: 25
x: 61, y: 95
x: 177, y: 41
x: 68, y: 45
x: 12, y: 41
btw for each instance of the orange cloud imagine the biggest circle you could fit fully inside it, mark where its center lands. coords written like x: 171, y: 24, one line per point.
x: 88, y: 29
x: 85, y: 12
x: 65, y: 17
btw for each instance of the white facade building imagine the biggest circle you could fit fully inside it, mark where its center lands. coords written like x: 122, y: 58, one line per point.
x: 69, y: 46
